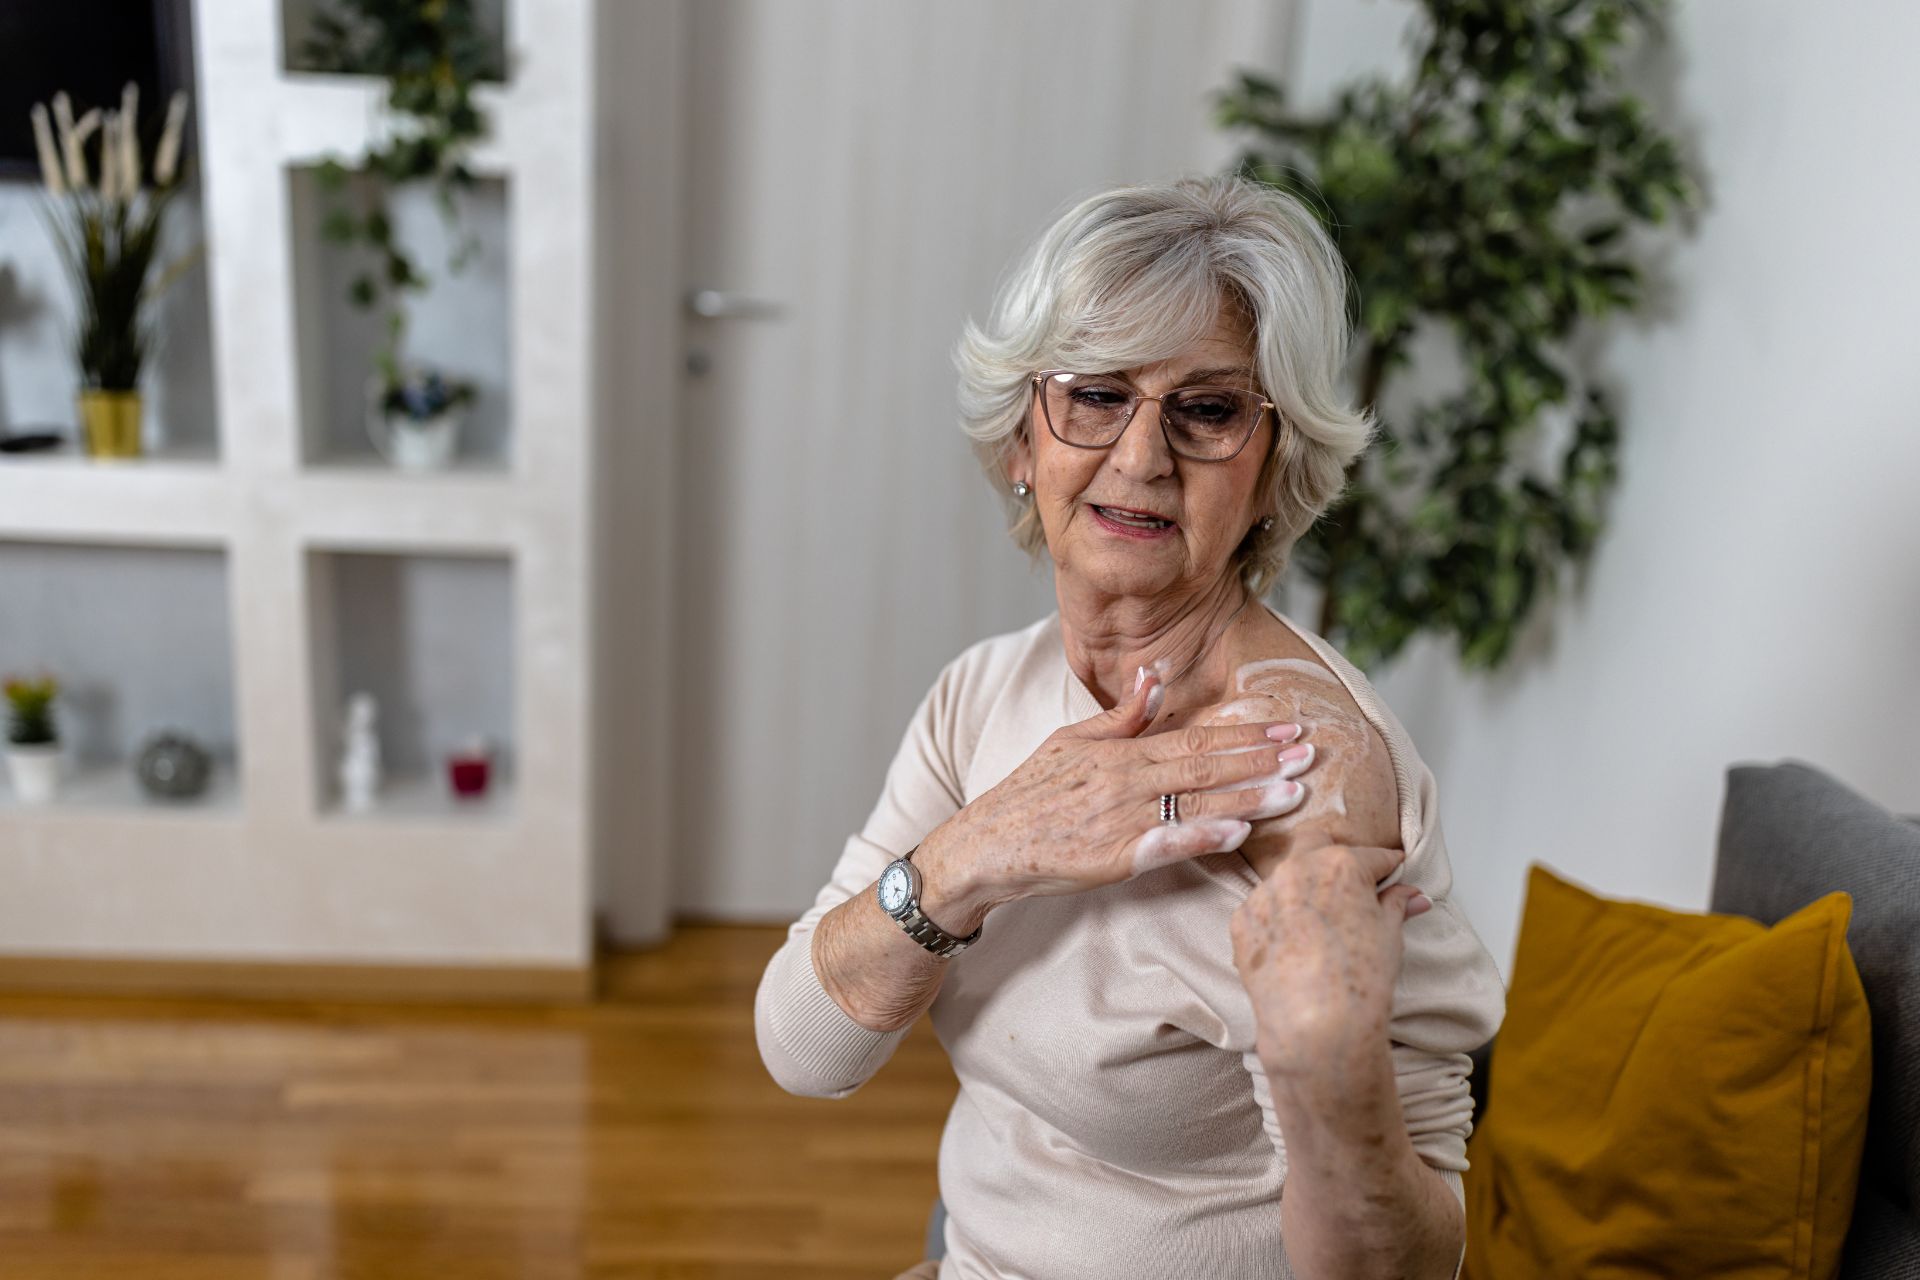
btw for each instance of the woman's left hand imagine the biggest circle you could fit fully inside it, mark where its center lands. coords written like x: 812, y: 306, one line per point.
x: 1318, y: 947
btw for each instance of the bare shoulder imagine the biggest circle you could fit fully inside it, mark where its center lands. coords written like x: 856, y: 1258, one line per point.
x: 1351, y: 791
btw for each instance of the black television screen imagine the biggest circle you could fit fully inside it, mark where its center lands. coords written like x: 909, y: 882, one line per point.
x: 90, y: 48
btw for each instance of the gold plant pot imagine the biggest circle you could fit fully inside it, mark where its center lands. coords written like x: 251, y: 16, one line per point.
x: 112, y: 423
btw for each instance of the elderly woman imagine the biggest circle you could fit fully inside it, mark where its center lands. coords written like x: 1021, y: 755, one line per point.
x: 1162, y: 868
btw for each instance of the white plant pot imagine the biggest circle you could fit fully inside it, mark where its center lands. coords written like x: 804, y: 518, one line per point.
x: 412, y: 444
x: 424, y: 446
x: 35, y: 771
x: 427, y: 446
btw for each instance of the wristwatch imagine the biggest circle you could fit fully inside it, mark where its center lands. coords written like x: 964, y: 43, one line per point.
x: 899, y: 895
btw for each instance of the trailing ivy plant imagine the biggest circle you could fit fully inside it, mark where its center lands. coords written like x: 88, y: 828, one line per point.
x: 431, y: 53
x: 1490, y: 198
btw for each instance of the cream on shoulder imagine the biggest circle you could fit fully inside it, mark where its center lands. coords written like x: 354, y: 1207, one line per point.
x: 1307, y: 693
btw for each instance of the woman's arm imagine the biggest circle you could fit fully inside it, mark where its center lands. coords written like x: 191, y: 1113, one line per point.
x: 809, y: 1042
x: 1318, y: 946
x: 1365, y: 1124
x: 1359, y: 1201
x: 883, y: 979
x: 1073, y: 817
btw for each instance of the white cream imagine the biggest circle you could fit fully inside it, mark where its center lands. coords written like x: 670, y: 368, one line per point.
x: 1273, y: 689
x: 1165, y: 845
x: 1244, y: 711
x: 1245, y: 677
x: 1279, y: 796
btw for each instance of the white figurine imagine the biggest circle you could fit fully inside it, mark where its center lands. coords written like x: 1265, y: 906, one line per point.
x: 360, y: 761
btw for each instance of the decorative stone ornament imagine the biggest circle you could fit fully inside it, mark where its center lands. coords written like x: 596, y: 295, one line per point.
x: 173, y: 766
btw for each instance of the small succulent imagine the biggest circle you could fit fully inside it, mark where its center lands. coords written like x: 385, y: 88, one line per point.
x: 32, y: 704
x: 424, y: 395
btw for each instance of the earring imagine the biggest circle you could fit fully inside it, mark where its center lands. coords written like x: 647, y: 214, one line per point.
x: 1266, y: 523
x: 1020, y: 489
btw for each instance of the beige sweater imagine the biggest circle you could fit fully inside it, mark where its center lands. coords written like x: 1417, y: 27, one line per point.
x: 1113, y: 1120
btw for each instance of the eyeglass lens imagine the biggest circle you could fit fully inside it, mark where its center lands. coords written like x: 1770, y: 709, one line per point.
x: 1201, y: 422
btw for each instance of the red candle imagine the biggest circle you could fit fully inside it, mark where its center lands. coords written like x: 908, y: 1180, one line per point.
x: 467, y: 769
x: 469, y: 776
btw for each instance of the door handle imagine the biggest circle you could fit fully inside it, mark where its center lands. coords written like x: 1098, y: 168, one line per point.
x: 725, y: 304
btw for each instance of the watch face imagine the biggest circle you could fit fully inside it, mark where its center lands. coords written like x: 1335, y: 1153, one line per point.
x: 894, y: 889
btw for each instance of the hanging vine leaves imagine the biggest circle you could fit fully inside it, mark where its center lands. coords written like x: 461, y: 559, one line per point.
x: 431, y: 54
x: 1492, y: 197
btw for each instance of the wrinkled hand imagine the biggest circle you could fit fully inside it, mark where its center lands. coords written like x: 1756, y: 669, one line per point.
x: 1318, y: 947
x: 1082, y: 811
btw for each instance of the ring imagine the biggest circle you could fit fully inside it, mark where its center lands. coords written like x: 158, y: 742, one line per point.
x: 1167, y: 810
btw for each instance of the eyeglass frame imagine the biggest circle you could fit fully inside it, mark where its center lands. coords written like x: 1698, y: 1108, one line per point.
x: 1039, y: 389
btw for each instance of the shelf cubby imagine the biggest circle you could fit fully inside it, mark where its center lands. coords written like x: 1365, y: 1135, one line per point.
x: 430, y: 636
x: 296, y: 23
x: 139, y: 639
x: 459, y: 324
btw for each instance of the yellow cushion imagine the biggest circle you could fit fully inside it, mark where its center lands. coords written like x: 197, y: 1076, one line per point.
x: 1671, y: 1095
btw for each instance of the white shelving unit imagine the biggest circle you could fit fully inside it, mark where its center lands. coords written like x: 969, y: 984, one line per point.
x: 266, y: 867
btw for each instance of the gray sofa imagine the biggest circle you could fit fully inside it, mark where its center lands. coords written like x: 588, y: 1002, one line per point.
x: 1788, y: 835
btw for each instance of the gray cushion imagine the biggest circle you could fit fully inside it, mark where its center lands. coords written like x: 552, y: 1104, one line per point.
x: 1788, y: 835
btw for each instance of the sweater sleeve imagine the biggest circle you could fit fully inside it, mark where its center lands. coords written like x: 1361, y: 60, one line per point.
x: 1444, y: 1004
x: 1448, y: 998
x: 810, y: 1045
x: 1263, y: 1094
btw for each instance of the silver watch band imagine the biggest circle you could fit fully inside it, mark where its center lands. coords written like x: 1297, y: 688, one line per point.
x: 932, y: 936
x: 924, y: 931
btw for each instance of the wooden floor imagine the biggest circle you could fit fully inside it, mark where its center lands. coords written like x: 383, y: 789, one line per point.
x: 637, y: 1137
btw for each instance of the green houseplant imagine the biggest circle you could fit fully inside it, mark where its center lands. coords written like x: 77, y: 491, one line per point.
x: 108, y: 231
x: 416, y: 420
x: 431, y: 55
x: 33, y: 743
x: 1490, y: 198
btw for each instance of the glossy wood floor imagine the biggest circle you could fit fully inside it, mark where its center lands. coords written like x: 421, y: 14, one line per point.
x: 637, y: 1137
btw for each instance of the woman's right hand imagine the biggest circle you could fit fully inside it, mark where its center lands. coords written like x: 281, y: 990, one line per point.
x: 1083, y: 810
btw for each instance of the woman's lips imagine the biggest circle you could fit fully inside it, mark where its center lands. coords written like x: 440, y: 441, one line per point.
x: 1126, y: 529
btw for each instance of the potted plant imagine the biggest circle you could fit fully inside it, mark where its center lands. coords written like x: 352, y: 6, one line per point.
x: 33, y: 747
x: 415, y: 420
x: 432, y: 57
x: 1493, y: 200
x: 107, y: 233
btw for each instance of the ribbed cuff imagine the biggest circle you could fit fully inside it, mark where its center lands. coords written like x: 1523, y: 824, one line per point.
x: 825, y: 1052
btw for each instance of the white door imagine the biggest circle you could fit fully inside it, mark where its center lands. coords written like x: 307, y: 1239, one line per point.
x: 870, y: 168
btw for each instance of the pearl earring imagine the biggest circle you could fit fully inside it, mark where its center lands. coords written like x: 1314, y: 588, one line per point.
x: 1020, y: 489
x: 1266, y: 523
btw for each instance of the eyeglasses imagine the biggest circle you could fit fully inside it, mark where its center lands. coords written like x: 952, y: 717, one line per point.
x: 1092, y: 410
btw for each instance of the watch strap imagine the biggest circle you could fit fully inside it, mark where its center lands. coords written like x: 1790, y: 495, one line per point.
x: 924, y: 931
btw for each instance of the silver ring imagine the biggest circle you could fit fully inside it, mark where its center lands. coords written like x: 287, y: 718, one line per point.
x: 1168, y: 814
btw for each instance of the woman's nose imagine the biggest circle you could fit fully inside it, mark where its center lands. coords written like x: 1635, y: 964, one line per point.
x: 1141, y: 451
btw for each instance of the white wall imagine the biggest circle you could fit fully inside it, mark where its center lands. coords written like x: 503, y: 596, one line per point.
x: 1757, y: 593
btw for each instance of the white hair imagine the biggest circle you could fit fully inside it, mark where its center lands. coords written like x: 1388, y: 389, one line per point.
x: 1134, y: 275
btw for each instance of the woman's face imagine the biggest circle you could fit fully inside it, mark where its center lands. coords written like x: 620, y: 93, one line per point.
x: 1211, y: 505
